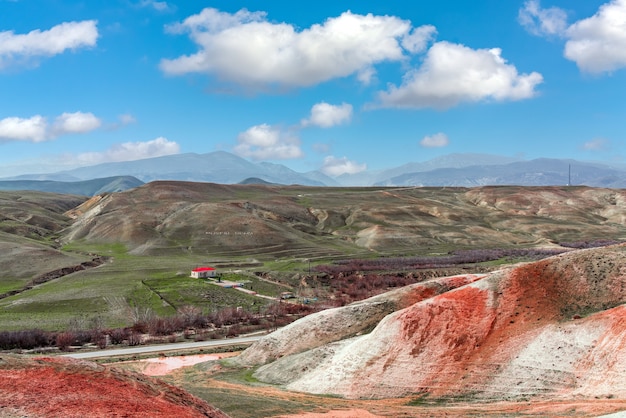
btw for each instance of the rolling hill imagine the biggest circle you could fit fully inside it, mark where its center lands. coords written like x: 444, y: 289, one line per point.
x: 29, y: 224
x: 296, y: 221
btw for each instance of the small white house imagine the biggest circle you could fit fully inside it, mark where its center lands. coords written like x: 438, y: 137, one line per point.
x: 203, y: 272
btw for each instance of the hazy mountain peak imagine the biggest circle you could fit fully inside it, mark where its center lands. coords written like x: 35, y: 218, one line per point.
x: 468, y: 169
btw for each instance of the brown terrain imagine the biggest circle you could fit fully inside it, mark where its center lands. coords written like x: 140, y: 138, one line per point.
x: 27, y: 220
x: 280, y: 221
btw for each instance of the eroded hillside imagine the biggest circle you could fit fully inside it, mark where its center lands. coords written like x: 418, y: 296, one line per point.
x: 53, y: 387
x: 306, y: 221
x: 552, y: 329
x: 29, y: 222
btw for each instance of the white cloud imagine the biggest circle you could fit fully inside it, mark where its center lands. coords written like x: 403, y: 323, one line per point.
x: 65, y: 36
x: 33, y: 129
x: 598, y: 44
x: 75, y: 123
x: 129, y: 151
x: 366, y: 75
x: 435, y: 141
x: 334, y: 166
x: 160, y: 6
x: 120, y: 152
x: 540, y: 22
x: 247, y: 49
x: 37, y: 129
x: 326, y: 115
x: 127, y: 119
x: 596, y: 144
x: 264, y: 142
x: 453, y: 73
x: 418, y: 39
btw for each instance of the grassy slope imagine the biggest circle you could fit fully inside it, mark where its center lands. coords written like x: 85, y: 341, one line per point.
x: 110, y: 291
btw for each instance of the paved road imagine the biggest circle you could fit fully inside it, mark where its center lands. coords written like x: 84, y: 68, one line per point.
x: 163, y: 347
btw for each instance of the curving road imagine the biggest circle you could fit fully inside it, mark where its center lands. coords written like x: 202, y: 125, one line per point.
x: 144, y: 349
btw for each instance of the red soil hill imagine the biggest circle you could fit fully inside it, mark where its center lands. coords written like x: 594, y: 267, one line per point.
x: 60, y: 387
x: 554, y: 329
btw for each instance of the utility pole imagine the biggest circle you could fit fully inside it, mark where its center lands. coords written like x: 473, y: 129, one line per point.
x: 569, y: 174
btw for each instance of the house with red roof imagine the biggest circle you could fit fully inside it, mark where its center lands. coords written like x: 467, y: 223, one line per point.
x: 203, y: 272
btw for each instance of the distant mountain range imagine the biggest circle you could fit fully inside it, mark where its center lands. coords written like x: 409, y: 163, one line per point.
x: 539, y: 172
x: 84, y: 188
x: 464, y: 170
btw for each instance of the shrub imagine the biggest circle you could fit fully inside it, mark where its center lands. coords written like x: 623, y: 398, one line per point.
x: 99, y: 337
x: 118, y: 335
x: 134, y: 338
x: 190, y: 315
x: 64, y: 340
x: 233, y: 331
x: 25, y: 340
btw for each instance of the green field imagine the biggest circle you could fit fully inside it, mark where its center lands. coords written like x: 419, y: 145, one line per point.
x: 111, y: 291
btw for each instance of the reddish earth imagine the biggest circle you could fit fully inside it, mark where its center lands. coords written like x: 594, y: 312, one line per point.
x: 48, y: 387
x: 550, y: 331
x: 336, y: 324
x: 162, y: 366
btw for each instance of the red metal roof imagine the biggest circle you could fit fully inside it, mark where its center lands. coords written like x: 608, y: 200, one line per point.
x: 203, y: 269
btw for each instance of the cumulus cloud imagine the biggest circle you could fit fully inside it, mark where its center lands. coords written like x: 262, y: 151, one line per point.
x: 334, y: 166
x: 230, y: 45
x: 75, y: 123
x: 598, y: 44
x: 129, y: 151
x: 453, y: 73
x: 596, y: 144
x: 326, y: 115
x: 37, y: 129
x: 265, y: 142
x: 437, y: 140
x: 541, y: 22
x: 33, y: 129
x: 17, y: 48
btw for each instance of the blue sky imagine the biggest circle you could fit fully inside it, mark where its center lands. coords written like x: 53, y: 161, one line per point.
x: 336, y: 86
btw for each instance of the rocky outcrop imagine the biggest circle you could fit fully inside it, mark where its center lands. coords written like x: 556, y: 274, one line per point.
x: 347, y: 321
x: 553, y: 328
